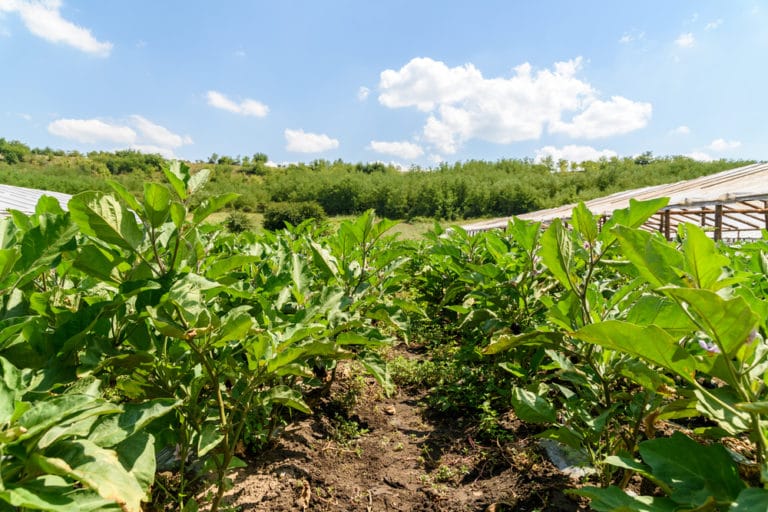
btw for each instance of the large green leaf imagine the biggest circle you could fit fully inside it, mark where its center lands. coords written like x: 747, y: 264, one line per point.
x: 96, y: 468
x: 695, y: 473
x: 42, y: 246
x: 55, y: 494
x: 103, y: 217
x: 646, y: 342
x: 116, y: 428
x: 613, y: 499
x: 729, y: 322
x: 662, y: 312
x: 657, y: 261
x: 751, y: 500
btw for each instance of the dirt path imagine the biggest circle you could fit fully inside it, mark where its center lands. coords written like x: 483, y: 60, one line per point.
x: 385, y: 454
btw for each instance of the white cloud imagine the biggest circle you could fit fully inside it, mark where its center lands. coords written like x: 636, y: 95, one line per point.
x: 463, y: 105
x: 681, y: 130
x: 362, y: 93
x: 606, y: 118
x: 700, y: 156
x: 300, y: 141
x: 404, y: 150
x: 147, y: 136
x: 91, y: 131
x: 632, y: 36
x: 247, y: 107
x: 573, y: 153
x: 712, y: 25
x: 159, y: 135
x: 723, y: 145
x: 686, y: 40
x: 43, y: 19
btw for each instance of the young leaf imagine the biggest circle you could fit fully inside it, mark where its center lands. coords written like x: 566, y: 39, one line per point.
x: 584, y: 223
x: 703, y: 263
x: 157, y: 203
x: 178, y: 176
x: 557, y: 254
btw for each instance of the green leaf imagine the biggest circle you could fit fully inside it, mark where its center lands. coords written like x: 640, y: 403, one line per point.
x: 42, y: 246
x: 222, y: 266
x: 751, y: 500
x: 695, y: 473
x: 98, y: 262
x: 505, y: 342
x: 157, y: 203
x: 115, y: 429
x: 662, y: 312
x: 235, y: 325
x: 532, y: 408
x: 178, y: 176
x: 526, y: 233
x: 103, y: 217
x: 125, y: 195
x: 287, y: 396
x: 96, y: 468
x: 613, y: 499
x: 720, y: 405
x: 584, y: 223
x: 198, y: 180
x: 646, y: 342
x: 657, y: 261
x: 557, y: 254
x: 632, y: 217
x: 212, y: 205
x: 178, y: 214
x: 54, y: 494
x: 210, y: 438
x: 137, y: 456
x: 8, y: 259
x: 703, y: 263
x: 728, y: 322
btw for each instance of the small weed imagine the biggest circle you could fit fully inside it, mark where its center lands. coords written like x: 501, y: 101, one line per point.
x: 345, y: 430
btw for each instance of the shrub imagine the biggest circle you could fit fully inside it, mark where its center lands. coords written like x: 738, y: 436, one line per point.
x: 276, y: 215
x: 237, y: 222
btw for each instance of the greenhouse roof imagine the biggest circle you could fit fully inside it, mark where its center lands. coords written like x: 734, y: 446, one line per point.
x: 731, y: 204
x: 25, y: 199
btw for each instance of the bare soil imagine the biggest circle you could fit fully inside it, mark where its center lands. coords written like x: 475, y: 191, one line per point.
x: 390, y: 454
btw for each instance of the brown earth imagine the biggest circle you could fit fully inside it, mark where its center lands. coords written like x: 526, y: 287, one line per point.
x: 388, y: 454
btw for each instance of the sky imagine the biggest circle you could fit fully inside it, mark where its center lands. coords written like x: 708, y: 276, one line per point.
x: 413, y: 83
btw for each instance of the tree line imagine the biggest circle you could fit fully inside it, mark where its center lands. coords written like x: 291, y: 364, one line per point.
x: 449, y: 191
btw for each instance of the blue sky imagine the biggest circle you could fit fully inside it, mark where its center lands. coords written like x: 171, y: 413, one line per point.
x: 409, y: 82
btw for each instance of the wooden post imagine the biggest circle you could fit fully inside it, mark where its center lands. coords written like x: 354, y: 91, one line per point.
x: 718, y: 222
x: 667, y: 222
